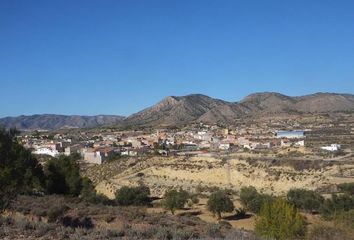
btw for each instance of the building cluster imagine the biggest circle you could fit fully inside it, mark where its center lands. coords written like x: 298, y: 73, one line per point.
x: 104, y: 144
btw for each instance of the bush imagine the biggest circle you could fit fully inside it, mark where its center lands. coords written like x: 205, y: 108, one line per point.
x: 174, y: 199
x: 336, y: 205
x: 77, y: 222
x: 56, y: 212
x: 279, y: 220
x: 137, y: 196
x: 347, y: 188
x: 252, y: 200
x: 323, y: 232
x: 305, y: 199
x: 219, y: 202
x: 345, y: 218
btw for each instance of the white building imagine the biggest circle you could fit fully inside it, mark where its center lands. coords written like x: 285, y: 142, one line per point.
x: 332, y: 148
x: 46, y: 151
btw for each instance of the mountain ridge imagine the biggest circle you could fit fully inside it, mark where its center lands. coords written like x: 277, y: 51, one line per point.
x: 57, y: 121
x: 181, y: 110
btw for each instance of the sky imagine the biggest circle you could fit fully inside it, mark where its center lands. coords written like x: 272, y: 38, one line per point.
x: 90, y: 57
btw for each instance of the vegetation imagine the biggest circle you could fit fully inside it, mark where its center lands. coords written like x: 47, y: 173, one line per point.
x: 20, y: 172
x: 279, y: 220
x: 136, y: 196
x: 346, y: 188
x: 252, y: 200
x: 220, y: 202
x: 325, y: 232
x: 174, y: 199
x: 336, y: 205
x: 63, y: 176
x: 305, y: 199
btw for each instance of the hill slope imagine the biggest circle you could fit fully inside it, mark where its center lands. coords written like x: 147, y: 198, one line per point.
x: 200, y: 108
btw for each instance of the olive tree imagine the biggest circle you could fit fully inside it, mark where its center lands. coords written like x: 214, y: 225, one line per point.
x: 219, y: 202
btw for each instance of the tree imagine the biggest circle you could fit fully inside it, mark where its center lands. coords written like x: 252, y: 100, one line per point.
x: 133, y: 195
x: 88, y: 191
x: 305, y: 199
x: 279, y: 220
x: 20, y: 171
x: 219, y: 202
x: 174, y: 199
x: 252, y: 200
x: 63, y: 176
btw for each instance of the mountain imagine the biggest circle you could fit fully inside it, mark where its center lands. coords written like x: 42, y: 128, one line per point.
x: 267, y: 103
x: 175, y: 110
x: 200, y: 108
x: 52, y: 121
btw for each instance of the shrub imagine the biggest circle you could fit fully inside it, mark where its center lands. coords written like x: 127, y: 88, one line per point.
x: 346, y: 187
x: 77, y: 222
x: 133, y: 196
x: 56, y: 212
x: 324, y: 232
x: 279, y: 220
x: 219, y: 202
x: 345, y: 218
x: 336, y: 204
x: 305, y: 199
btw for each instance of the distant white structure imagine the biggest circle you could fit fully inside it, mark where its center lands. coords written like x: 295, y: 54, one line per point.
x: 332, y: 148
x: 290, y: 134
x: 224, y: 146
x: 46, y: 151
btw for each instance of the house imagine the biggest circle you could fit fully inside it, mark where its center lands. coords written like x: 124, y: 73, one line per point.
x: 72, y: 149
x: 46, y: 151
x: 224, y: 146
x: 97, y: 155
x: 291, y: 134
x: 332, y: 147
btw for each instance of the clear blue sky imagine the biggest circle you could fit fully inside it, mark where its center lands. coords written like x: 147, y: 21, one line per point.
x: 117, y: 57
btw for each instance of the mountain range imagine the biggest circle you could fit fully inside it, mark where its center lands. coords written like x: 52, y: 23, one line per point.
x: 174, y: 111
x: 53, y: 121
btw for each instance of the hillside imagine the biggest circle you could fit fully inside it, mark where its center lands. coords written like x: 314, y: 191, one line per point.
x: 176, y: 110
x: 51, y: 121
x: 173, y: 110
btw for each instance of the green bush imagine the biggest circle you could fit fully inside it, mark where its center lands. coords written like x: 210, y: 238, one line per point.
x: 347, y: 188
x: 336, y: 204
x: 345, y: 218
x: 279, y: 220
x: 305, y: 199
x: 219, y: 202
x: 133, y: 196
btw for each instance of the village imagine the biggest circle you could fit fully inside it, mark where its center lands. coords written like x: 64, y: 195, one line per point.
x: 96, y: 146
